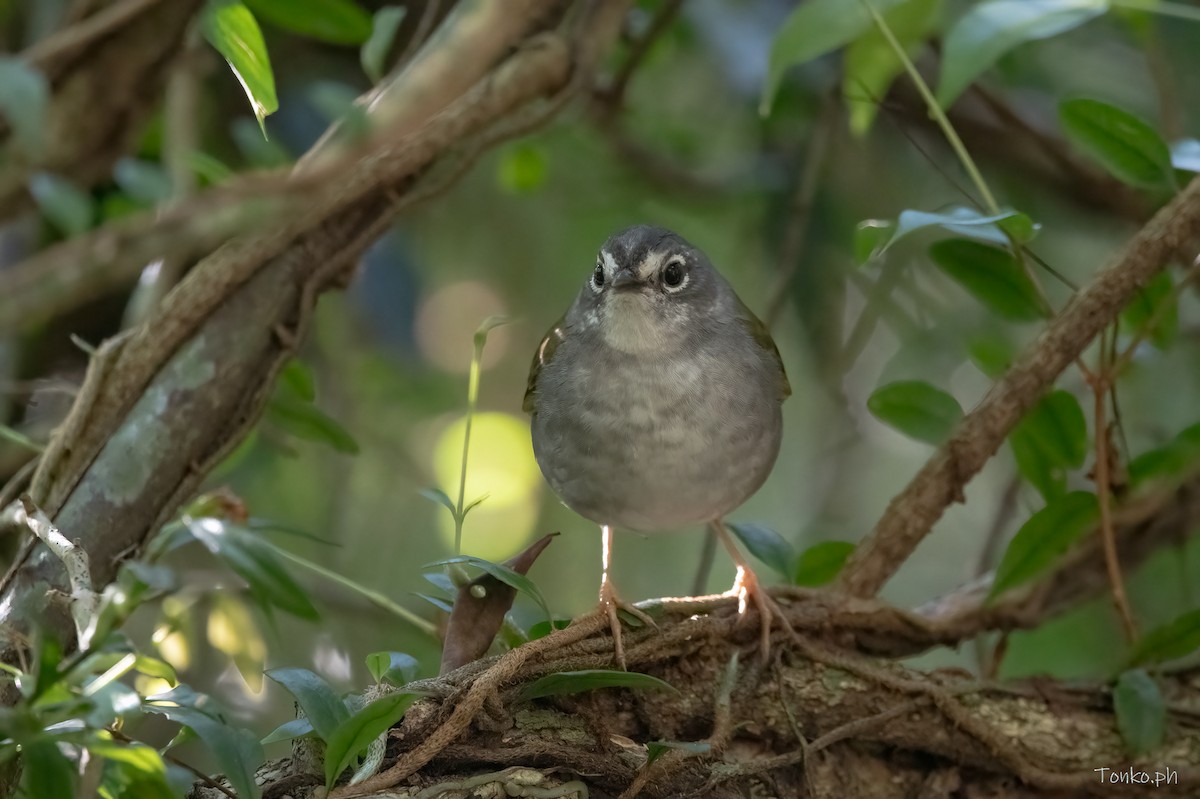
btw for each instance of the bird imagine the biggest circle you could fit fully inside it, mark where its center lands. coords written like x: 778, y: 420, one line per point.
x: 656, y: 403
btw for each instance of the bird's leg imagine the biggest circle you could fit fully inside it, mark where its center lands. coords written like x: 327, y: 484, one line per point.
x: 610, y: 603
x: 747, y: 589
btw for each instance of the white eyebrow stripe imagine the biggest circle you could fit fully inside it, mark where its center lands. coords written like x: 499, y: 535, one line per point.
x: 610, y: 263
x: 650, y: 265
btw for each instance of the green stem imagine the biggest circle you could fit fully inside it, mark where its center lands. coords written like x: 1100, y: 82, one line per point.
x: 472, y: 401
x: 935, y: 110
x: 376, y: 598
x: 19, y: 438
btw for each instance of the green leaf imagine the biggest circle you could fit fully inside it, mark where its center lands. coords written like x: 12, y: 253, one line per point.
x: 916, y: 409
x: 397, y: 668
x: 67, y: 207
x: 871, y: 65
x: 574, y: 682
x: 255, y: 561
x: 358, y: 731
x: 24, y: 98
x: 959, y: 220
x: 1049, y: 441
x: 45, y: 770
x: 990, y: 275
x: 1176, y: 458
x: 1155, y: 295
x: 870, y: 236
x: 434, y: 494
x: 307, y: 421
x: 143, y: 181
x: 210, y: 169
x: 288, y: 730
x: 522, y: 169
x: 297, y: 379
x: 154, y: 667
x: 766, y: 545
x: 1122, y: 143
x: 1141, y: 711
x: 322, y: 707
x: 1175, y: 639
x: 543, y: 628
x: 991, y: 353
x: 502, y: 573
x: 332, y: 21
x: 133, y: 770
x: 373, y: 55
x: 1185, y: 155
x: 232, y: 30
x: 990, y: 29
x: 820, y: 563
x: 1044, y: 538
x: 815, y: 28
x: 656, y: 749
x: 237, y: 751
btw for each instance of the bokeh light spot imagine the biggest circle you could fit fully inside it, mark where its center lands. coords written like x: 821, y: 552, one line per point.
x: 446, y: 324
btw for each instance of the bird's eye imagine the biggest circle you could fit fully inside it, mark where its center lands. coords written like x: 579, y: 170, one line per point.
x: 673, y: 275
x: 598, y: 277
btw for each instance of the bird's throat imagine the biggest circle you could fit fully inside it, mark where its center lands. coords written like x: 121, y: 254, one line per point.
x: 628, y: 324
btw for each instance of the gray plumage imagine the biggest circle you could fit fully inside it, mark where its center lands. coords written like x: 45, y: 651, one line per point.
x: 656, y: 399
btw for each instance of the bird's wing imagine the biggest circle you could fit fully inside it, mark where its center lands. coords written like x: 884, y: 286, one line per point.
x: 759, y: 332
x: 545, y: 352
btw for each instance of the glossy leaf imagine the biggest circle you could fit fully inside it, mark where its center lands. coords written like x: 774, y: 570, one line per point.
x: 1169, y: 641
x: 960, y: 221
x: 766, y: 545
x: 656, y: 749
x: 1141, y: 711
x: 24, y: 98
x: 1122, y: 143
x: 358, y: 731
x: 871, y: 65
x: 374, y: 53
x: 1154, y: 298
x: 502, y: 573
x: 307, y: 421
x: 68, y: 208
x: 820, y: 563
x: 1049, y: 441
x: 991, y: 275
x: 991, y: 28
x: 916, y: 409
x: 815, y: 28
x: 232, y: 30
x: 575, y: 682
x: 332, y: 21
x: 322, y: 707
x: 1044, y: 538
x: 398, y: 668
x: 256, y: 562
x: 288, y: 730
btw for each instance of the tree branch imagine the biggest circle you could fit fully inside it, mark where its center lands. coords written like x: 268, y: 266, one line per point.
x: 1172, y: 234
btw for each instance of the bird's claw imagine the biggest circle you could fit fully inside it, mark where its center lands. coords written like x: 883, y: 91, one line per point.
x: 748, y: 591
x: 611, y: 604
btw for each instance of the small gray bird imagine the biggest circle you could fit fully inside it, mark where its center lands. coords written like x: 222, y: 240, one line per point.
x: 656, y: 401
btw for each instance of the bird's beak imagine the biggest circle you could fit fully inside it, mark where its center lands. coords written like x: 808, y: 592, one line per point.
x: 625, y: 279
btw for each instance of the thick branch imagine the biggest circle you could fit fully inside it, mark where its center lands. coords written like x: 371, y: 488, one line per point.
x: 910, y: 516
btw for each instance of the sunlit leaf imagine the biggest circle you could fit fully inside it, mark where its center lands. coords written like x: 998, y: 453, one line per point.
x: 656, y: 749
x: 1044, y: 538
x: 1141, y: 711
x: 384, y: 27
x: 574, y: 682
x: 398, y: 668
x: 820, y: 563
x: 916, y: 409
x: 1154, y: 298
x: 1122, y: 143
x: 990, y: 275
x: 322, y: 707
x: 232, y: 30
x: 502, y: 573
x: 1049, y: 441
x: 332, y: 21
x: 67, y: 207
x: 959, y: 220
x: 254, y: 560
x: 815, y: 28
x: 1177, y: 638
x: 307, y: 421
x: 357, y: 732
x: 991, y: 28
x: 766, y: 545
x: 24, y: 97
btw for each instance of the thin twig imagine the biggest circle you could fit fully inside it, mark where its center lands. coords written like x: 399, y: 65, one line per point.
x: 85, y: 32
x: 614, y: 94
x: 1104, y: 497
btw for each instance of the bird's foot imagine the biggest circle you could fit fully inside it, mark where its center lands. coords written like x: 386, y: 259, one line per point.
x: 611, y: 604
x: 748, y: 590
